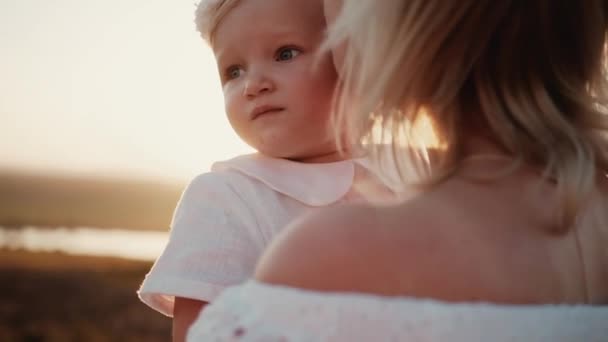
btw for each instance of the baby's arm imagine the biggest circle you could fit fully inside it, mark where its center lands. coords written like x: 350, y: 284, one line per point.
x: 185, y: 311
x: 214, y: 243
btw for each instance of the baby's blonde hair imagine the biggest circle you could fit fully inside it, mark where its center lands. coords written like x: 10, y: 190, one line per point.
x: 209, y: 14
x: 531, y: 75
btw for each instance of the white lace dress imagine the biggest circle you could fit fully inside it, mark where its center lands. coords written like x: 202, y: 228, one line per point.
x: 259, y: 312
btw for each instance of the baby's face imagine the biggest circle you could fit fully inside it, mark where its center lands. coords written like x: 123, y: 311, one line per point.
x: 277, y: 89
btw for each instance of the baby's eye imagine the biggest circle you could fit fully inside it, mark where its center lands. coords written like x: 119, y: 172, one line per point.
x: 285, y: 54
x: 233, y: 72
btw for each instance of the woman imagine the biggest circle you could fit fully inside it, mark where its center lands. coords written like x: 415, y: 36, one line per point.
x: 511, y: 210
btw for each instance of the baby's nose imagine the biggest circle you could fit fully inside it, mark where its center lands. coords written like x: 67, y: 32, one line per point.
x: 258, y: 85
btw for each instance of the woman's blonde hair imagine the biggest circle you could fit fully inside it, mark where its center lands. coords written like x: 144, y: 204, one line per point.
x: 529, y: 75
x: 209, y: 14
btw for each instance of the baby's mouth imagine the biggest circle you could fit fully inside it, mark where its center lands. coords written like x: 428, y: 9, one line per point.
x: 263, y: 110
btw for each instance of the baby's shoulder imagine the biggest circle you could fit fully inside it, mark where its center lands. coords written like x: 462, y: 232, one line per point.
x: 226, y: 181
x: 216, y: 191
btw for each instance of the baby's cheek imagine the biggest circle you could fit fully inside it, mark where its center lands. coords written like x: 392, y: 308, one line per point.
x: 231, y: 98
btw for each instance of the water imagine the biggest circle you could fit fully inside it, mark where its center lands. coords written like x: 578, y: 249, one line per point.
x: 130, y: 244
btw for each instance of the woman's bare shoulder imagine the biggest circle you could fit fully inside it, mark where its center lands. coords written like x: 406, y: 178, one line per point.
x: 347, y: 248
x: 389, y: 250
x: 312, y: 249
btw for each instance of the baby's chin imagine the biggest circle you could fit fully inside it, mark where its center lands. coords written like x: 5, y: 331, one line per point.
x: 301, y: 150
x: 324, y: 154
x: 279, y: 152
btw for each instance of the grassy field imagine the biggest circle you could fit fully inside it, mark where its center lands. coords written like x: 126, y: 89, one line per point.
x: 57, y: 297
x: 55, y: 201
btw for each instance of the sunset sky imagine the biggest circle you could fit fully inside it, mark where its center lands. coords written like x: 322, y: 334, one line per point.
x: 116, y: 87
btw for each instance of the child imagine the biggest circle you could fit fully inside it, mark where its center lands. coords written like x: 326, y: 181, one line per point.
x: 278, y: 94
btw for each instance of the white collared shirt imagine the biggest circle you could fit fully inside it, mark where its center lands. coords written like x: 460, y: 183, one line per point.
x: 225, y: 219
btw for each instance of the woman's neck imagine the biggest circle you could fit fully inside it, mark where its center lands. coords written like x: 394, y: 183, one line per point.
x: 477, y: 145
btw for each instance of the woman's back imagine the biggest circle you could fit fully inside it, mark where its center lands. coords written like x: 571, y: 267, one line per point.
x: 497, y: 241
x: 466, y: 240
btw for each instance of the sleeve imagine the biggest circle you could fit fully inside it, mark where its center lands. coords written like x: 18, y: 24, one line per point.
x: 214, y: 243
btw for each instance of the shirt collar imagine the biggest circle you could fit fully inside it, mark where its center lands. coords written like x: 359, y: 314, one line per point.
x: 314, y: 184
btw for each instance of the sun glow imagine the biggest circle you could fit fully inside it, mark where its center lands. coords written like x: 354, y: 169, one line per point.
x: 114, y: 87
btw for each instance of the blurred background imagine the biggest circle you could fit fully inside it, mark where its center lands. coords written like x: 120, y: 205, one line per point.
x: 107, y: 110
